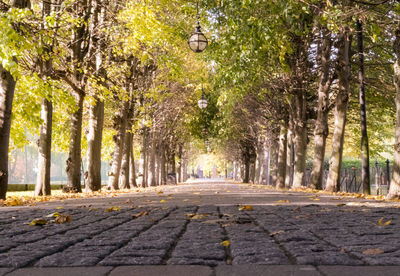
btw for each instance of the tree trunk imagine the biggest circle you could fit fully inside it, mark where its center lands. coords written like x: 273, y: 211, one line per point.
x: 394, y: 190
x: 94, y: 140
x: 7, y: 88
x: 274, y: 162
x: 335, y: 162
x: 280, y: 181
x: 163, y: 164
x: 44, y: 143
x: 180, y: 163
x: 142, y: 163
x: 321, y: 124
x: 120, y: 124
x: 96, y: 110
x: 74, y: 158
x: 44, y: 163
x: 300, y: 140
x: 124, y: 176
x: 365, y: 177
x: 152, y: 161
x: 289, y: 156
x: 132, y: 169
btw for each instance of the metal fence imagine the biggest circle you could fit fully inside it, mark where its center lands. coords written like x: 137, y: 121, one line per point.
x: 350, y: 178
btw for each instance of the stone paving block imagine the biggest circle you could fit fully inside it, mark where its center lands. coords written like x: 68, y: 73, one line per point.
x: 3, y: 271
x: 360, y: 270
x: 170, y: 270
x: 131, y: 260
x: 62, y: 271
x: 266, y: 270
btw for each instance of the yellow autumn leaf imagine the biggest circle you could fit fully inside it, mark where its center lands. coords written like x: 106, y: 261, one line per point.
x: 373, y: 251
x: 197, y: 193
x: 246, y: 208
x: 185, y: 200
x: 340, y: 204
x: 226, y: 243
x: 59, y: 208
x: 283, y: 201
x: 160, y: 192
x: 38, y: 222
x: 114, y: 208
x: 56, y: 214
x: 162, y: 201
x: 276, y: 233
x: 199, y: 216
x: 381, y: 223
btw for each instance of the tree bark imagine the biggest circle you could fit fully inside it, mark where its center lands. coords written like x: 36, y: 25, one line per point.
x: 300, y: 139
x: 152, y: 161
x: 94, y: 141
x: 7, y: 89
x: 142, y: 163
x: 42, y: 186
x: 74, y: 157
x: 120, y: 124
x: 289, y: 155
x: 124, y: 176
x: 96, y: 110
x: 280, y: 181
x: 44, y: 161
x: 335, y: 162
x: 365, y: 177
x: 394, y: 190
x: 132, y: 168
x: 321, y: 124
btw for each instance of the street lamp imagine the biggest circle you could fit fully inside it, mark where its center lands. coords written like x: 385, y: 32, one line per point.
x: 197, y: 41
x: 202, y: 102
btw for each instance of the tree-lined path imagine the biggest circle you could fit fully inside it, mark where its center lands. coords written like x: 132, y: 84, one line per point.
x: 220, y: 226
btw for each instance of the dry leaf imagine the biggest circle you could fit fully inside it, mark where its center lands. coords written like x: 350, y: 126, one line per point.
x: 143, y: 213
x: 276, y: 233
x: 56, y: 214
x: 59, y: 208
x: 246, y: 208
x: 114, y: 208
x: 381, y: 223
x: 340, y: 204
x: 373, y: 251
x: 160, y: 192
x: 196, y: 193
x: 162, y: 201
x: 62, y: 219
x: 199, y: 216
x: 185, y: 200
x: 283, y: 201
x: 226, y: 243
x: 38, y: 222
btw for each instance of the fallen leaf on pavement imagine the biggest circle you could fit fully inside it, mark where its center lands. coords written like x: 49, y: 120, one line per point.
x: 226, y: 243
x: 38, y: 222
x: 373, y: 251
x: 59, y: 208
x: 56, y: 214
x: 162, y: 201
x: 381, y: 223
x: 114, y: 208
x: 185, y: 200
x: 283, y: 201
x: 276, y: 233
x: 341, y: 204
x: 62, y: 219
x: 246, y: 208
x: 143, y: 213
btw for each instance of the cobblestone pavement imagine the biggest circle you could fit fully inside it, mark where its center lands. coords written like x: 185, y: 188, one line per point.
x: 279, y: 232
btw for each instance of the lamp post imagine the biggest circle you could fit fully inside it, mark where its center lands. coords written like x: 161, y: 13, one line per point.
x: 197, y: 41
x: 202, y: 103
